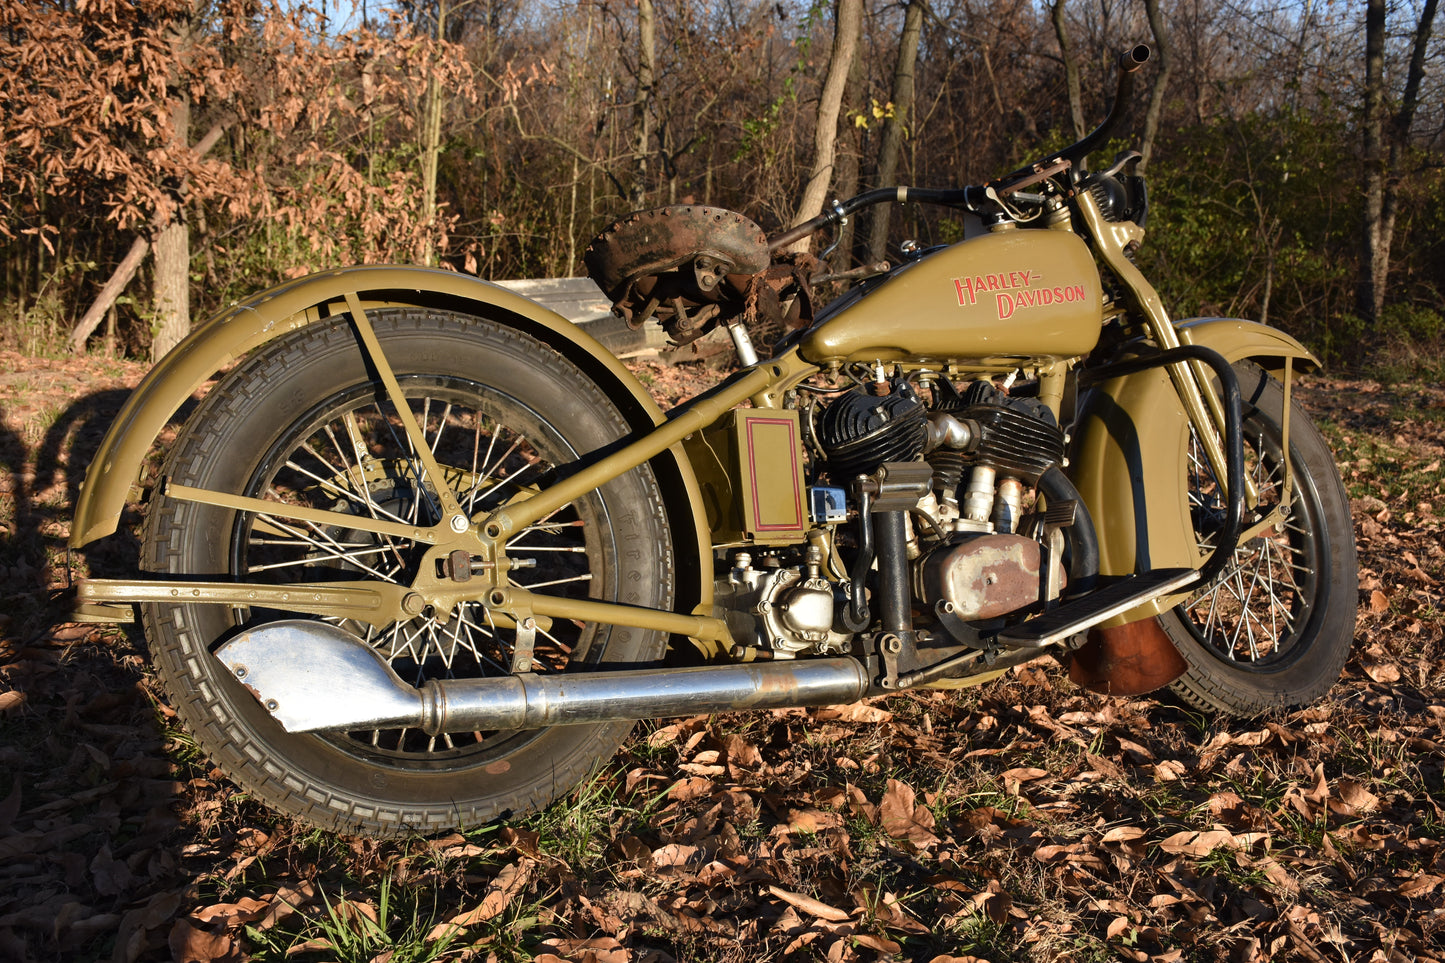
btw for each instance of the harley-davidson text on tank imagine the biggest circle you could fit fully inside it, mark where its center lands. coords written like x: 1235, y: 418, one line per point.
x: 1014, y: 290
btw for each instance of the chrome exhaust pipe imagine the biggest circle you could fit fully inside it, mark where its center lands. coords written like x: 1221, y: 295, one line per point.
x: 315, y: 676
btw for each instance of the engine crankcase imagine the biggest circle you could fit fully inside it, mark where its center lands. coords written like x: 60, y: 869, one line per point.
x: 984, y: 577
x: 783, y: 611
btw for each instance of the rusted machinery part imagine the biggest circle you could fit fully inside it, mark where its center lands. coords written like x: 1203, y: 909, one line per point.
x: 1127, y: 660
x: 660, y: 240
x: 691, y: 268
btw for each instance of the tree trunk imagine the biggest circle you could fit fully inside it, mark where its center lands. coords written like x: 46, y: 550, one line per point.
x: 1161, y: 80
x: 848, y: 21
x: 849, y: 162
x: 112, y: 289
x: 171, y: 294
x: 1370, y: 293
x: 172, y: 291
x: 1071, y: 68
x: 1399, y: 144
x: 431, y: 145
x: 894, y: 126
x: 642, y: 107
x: 129, y: 264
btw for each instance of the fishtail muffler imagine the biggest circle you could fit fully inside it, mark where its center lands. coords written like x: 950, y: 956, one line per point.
x: 315, y: 676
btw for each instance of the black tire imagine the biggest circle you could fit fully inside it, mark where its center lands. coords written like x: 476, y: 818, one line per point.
x: 1275, y: 629
x: 506, y: 412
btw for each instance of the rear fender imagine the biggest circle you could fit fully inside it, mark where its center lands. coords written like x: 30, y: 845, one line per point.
x: 114, y: 475
x: 1129, y: 454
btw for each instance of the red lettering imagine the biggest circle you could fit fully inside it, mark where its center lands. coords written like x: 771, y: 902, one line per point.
x: 1018, y: 282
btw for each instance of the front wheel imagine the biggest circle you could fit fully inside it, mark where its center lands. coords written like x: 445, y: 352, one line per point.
x: 1274, y: 629
x: 305, y: 421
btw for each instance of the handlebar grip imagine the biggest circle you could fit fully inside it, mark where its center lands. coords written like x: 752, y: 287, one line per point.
x: 1135, y: 57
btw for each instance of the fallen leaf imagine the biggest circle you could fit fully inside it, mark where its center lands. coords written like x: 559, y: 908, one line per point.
x: 674, y: 855
x: 502, y: 890
x: 1379, y: 602
x: 1354, y: 794
x: 1196, y: 843
x: 856, y: 712
x: 1385, y: 672
x: 1022, y: 774
x: 903, y: 818
x: 598, y: 949
x: 812, y: 820
x: 878, y: 943
x: 110, y: 876
x: 1421, y: 885
x: 191, y: 944
x: 287, y: 902
x: 231, y: 915
x: 1170, y: 770
x: 809, y: 905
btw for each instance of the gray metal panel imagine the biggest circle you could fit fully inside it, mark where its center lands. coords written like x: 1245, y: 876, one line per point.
x: 582, y: 302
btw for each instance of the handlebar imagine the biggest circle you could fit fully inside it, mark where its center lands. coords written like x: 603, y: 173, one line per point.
x: 950, y: 197
x: 1129, y: 63
x: 975, y: 198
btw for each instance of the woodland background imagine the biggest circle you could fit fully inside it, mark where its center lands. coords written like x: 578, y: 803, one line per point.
x: 159, y: 158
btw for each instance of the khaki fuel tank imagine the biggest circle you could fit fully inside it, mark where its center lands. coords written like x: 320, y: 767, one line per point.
x: 1016, y: 293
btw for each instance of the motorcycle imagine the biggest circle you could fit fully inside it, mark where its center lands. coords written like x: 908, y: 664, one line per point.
x: 423, y: 555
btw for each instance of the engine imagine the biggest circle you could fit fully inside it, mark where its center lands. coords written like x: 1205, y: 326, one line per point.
x: 973, y: 554
x: 983, y: 445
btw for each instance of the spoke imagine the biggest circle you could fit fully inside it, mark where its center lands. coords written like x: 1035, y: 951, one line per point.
x: 486, y: 460
x: 543, y: 526
x: 488, y: 466
x: 441, y: 425
x: 509, y: 480
x: 324, y: 543
x: 291, y: 542
x: 313, y: 559
x: 376, y: 511
x: 330, y: 468
x: 558, y: 581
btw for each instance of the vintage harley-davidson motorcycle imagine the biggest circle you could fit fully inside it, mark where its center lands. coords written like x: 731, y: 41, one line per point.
x: 426, y: 550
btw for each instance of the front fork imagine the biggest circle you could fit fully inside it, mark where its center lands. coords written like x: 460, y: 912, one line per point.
x: 1196, y: 392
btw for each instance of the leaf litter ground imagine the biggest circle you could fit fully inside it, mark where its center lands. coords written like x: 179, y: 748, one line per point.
x: 1024, y: 820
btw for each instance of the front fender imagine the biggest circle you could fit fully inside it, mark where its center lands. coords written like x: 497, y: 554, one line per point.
x: 115, y: 471
x: 1129, y: 456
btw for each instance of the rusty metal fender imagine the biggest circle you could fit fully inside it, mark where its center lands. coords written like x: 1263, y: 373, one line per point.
x: 1130, y: 447
x: 114, y: 474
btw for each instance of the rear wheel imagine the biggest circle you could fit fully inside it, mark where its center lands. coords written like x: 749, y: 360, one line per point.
x: 1275, y: 627
x: 306, y: 422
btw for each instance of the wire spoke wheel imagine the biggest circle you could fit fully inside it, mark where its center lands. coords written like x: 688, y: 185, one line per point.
x: 1250, y: 615
x: 1275, y: 626
x: 352, y: 455
x: 306, y: 423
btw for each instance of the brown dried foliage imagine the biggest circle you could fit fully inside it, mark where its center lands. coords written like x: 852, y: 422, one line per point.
x: 89, y: 92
